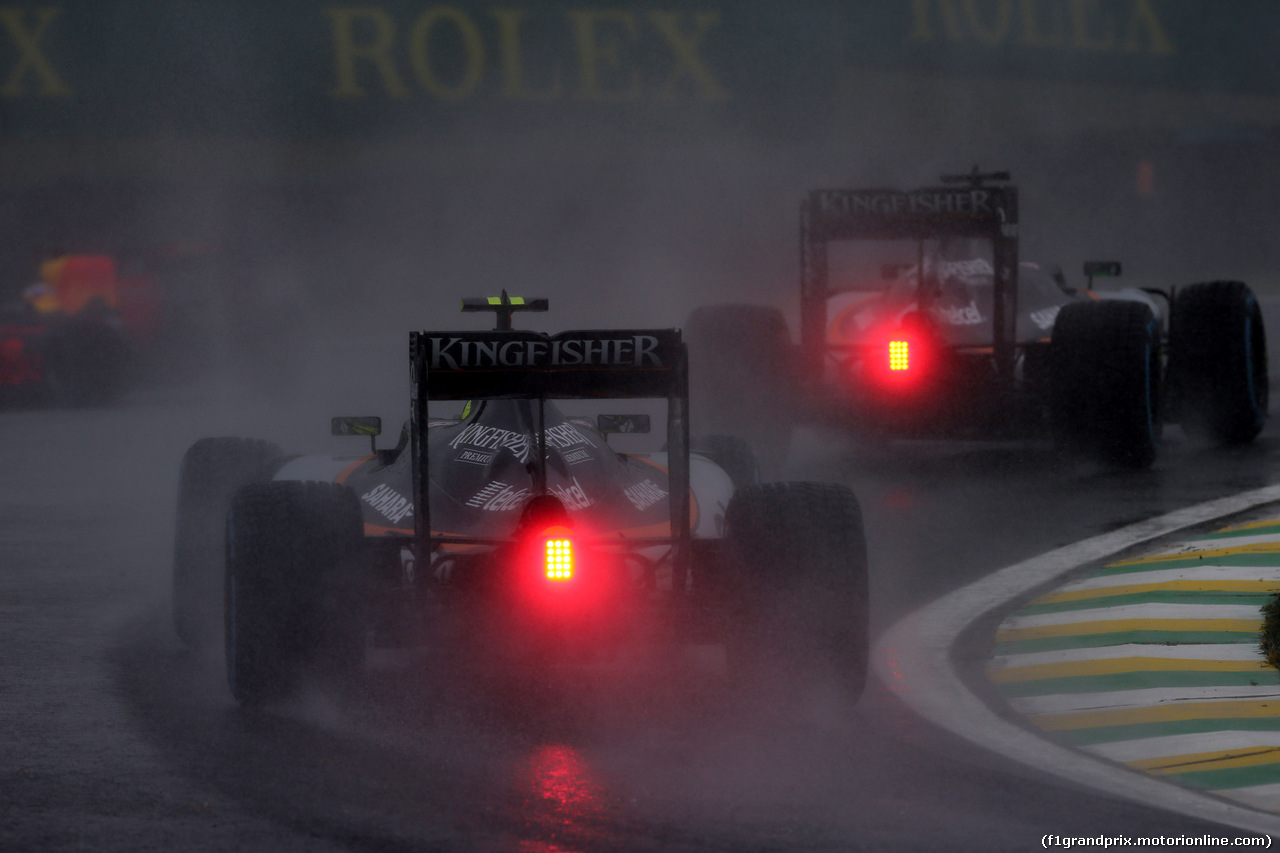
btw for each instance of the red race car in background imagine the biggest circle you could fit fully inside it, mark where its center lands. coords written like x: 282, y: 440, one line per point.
x: 72, y: 340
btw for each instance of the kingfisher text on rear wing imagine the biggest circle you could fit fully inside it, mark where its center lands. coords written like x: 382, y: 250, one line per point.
x: 457, y: 352
x: 613, y: 363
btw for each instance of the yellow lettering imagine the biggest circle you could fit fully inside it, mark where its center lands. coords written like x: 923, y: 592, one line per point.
x: 1084, y: 25
x: 1144, y: 20
x: 684, y: 48
x: 30, y: 57
x: 997, y: 33
x: 347, y: 51
x: 1032, y: 34
x: 472, y: 45
x: 1084, y: 16
x: 512, y: 62
x: 595, y: 54
x: 922, y: 30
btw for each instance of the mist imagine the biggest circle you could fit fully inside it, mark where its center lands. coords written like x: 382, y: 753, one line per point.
x: 308, y: 184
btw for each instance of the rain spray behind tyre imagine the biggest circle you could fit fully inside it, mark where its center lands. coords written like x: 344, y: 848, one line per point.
x: 291, y: 604
x: 797, y: 589
x: 213, y: 469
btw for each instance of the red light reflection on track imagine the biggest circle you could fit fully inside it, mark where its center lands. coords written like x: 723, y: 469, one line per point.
x: 559, y: 774
x: 567, y: 802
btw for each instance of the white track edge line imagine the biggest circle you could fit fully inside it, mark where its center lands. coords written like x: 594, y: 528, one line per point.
x: 913, y: 659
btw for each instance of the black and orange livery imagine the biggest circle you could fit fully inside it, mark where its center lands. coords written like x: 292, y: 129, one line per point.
x: 504, y: 522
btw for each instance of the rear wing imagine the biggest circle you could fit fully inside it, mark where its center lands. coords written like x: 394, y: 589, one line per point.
x: 625, y: 363
x: 967, y: 207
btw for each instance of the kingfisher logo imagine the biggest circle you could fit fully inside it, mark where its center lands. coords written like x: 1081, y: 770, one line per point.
x: 479, y: 444
x: 967, y: 202
x: 481, y: 437
x: 447, y: 352
x: 564, y: 436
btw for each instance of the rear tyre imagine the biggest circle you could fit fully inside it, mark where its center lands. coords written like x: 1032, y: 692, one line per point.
x: 742, y: 378
x: 797, y: 593
x: 292, y: 550
x: 1105, y: 395
x: 212, y: 470
x: 1218, y: 362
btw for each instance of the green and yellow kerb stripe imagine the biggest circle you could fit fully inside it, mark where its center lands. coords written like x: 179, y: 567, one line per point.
x: 1153, y: 661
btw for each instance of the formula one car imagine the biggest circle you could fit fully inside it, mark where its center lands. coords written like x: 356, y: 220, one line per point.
x: 69, y: 361
x: 516, y: 523
x: 917, y: 319
x: 67, y: 345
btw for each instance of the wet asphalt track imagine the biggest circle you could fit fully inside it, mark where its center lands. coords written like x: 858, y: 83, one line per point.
x: 115, y: 738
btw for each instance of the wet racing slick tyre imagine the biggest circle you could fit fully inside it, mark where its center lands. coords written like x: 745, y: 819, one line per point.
x: 1218, y: 362
x: 796, y: 591
x: 1106, y: 382
x: 732, y: 454
x: 742, y: 378
x: 291, y: 603
x: 212, y: 470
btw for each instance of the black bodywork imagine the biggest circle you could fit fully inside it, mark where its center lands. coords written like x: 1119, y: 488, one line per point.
x: 987, y: 378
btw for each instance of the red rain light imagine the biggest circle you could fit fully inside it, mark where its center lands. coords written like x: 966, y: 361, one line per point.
x: 558, y: 557
x: 904, y: 361
x: 899, y: 355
